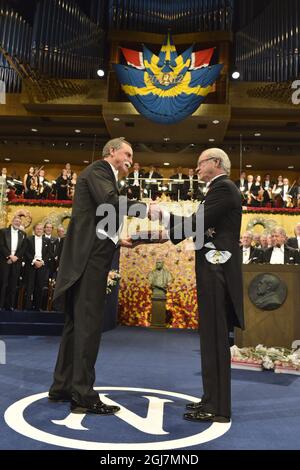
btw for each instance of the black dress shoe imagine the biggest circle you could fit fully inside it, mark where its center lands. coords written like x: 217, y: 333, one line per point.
x: 98, y: 408
x: 203, y: 416
x: 59, y: 397
x: 195, y: 406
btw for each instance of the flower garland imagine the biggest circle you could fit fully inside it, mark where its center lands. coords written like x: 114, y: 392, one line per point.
x: 261, y: 357
x: 40, y: 202
x: 270, y: 210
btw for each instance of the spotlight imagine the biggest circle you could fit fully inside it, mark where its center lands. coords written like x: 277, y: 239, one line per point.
x: 100, y: 73
x: 235, y: 75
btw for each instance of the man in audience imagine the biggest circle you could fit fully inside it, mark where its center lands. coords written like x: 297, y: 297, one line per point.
x: 250, y: 253
x: 51, y: 263
x: 280, y: 253
x: 12, y: 248
x: 36, y: 254
x: 264, y: 241
x: 294, y: 242
x: 135, y: 182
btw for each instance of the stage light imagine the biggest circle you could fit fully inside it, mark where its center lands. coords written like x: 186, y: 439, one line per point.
x: 235, y: 75
x: 100, y: 73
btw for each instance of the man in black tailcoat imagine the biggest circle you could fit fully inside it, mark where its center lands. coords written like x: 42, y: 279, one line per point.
x: 219, y: 280
x: 82, y: 276
x: 12, y: 248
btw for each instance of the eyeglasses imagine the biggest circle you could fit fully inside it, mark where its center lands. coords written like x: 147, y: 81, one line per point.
x: 206, y: 160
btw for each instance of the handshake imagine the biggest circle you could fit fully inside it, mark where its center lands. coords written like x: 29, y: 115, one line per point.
x: 152, y: 236
x: 140, y: 238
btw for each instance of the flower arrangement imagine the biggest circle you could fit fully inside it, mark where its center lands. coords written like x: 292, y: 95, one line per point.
x: 263, y: 358
x: 112, y: 280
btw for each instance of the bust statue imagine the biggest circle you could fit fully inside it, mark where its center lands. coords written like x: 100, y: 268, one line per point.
x: 159, y: 280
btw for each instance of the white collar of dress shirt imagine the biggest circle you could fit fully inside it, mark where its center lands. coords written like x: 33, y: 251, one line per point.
x: 281, y: 247
x: 215, y: 177
x: 39, y: 237
x: 14, y: 229
x: 116, y: 172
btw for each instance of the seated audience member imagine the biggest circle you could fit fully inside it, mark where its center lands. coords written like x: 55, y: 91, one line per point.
x: 280, y: 253
x: 264, y: 241
x: 256, y: 240
x: 270, y: 240
x: 294, y: 242
x: 250, y: 253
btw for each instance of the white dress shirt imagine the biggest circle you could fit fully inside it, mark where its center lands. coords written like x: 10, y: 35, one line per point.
x: 246, y: 255
x: 277, y: 256
x: 298, y: 240
x: 136, y: 178
x: 38, y: 245
x: 115, y: 238
x: 14, y: 240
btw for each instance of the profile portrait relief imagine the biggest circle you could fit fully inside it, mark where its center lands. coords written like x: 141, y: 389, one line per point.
x: 267, y: 292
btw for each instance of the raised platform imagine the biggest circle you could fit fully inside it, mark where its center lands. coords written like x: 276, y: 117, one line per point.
x: 30, y: 323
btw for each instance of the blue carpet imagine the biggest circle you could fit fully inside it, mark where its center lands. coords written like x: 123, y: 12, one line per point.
x: 266, y: 411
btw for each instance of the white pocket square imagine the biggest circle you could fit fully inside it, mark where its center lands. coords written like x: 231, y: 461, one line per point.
x: 217, y: 257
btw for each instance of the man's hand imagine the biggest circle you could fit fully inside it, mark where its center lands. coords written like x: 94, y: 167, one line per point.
x: 126, y: 242
x: 38, y: 264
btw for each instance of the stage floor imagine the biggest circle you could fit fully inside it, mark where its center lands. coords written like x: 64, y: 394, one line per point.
x: 152, y: 374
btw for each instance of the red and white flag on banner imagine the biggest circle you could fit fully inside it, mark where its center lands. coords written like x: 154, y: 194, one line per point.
x: 201, y: 58
x: 133, y: 58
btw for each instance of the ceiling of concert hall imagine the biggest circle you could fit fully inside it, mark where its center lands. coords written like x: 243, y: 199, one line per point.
x: 58, y: 109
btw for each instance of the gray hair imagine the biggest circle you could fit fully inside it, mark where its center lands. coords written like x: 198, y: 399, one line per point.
x: 219, y: 154
x: 114, y: 144
x: 279, y: 230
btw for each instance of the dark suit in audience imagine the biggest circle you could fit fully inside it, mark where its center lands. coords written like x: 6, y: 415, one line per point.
x: 10, y: 271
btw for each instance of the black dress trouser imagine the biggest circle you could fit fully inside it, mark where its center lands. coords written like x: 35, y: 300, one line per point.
x: 85, y: 300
